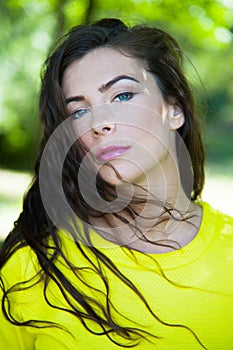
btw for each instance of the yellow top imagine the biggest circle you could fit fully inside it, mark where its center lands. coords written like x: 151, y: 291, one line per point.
x: 191, y: 287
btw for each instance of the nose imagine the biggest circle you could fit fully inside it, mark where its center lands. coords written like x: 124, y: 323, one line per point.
x: 103, y: 129
x: 102, y: 122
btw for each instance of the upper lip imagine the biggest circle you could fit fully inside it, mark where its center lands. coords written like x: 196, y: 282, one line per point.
x: 109, y: 149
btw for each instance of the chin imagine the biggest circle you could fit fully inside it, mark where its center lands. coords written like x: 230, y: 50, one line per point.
x: 111, y: 176
x: 119, y: 177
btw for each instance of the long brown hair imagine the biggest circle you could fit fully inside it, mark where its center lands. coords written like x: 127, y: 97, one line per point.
x: 34, y: 228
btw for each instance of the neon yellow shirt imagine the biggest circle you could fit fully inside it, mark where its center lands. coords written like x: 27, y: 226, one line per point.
x: 197, y: 293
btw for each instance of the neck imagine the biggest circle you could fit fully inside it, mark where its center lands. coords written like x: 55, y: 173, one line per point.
x: 154, y: 226
x: 164, y: 214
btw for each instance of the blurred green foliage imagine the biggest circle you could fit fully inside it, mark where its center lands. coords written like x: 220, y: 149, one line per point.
x: 28, y: 28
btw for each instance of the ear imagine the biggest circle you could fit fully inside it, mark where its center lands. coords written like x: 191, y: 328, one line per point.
x: 175, y: 117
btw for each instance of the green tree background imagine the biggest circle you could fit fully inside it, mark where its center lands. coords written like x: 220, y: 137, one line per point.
x: 28, y: 29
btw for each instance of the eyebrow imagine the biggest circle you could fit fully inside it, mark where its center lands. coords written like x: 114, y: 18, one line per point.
x: 103, y: 88
x: 115, y: 80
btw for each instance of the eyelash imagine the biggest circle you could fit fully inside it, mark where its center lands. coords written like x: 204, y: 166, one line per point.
x: 130, y: 95
x: 79, y: 113
x: 82, y: 111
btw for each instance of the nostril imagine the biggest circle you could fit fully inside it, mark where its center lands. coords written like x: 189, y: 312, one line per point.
x: 106, y: 129
x: 103, y: 129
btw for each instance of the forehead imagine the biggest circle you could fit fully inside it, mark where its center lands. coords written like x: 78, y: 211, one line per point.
x: 102, y: 64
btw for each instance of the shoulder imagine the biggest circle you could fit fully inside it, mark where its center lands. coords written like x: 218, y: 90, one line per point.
x: 218, y: 228
x: 217, y: 219
x: 22, y: 265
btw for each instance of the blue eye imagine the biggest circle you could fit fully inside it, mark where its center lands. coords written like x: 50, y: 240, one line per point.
x: 80, y: 113
x: 124, y: 96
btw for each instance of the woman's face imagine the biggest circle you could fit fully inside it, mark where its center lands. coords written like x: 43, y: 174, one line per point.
x: 119, y: 114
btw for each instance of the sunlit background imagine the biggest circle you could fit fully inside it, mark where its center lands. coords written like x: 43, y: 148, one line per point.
x: 204, y: 30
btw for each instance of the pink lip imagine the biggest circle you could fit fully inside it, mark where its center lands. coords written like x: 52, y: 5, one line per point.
x: 111, y: 152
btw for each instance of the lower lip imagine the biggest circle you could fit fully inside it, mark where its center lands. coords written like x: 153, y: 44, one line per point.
x: 110, y: 155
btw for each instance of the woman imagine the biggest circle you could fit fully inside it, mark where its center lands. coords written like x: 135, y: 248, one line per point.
x: 114, y: 247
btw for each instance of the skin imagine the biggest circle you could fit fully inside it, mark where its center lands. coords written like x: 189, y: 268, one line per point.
x: 115, y: 101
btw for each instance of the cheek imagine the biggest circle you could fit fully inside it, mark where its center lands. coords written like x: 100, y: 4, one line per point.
x: 86, y: 140
x: 147, y: 118
x: 82, y: 135
x: 147, y: 129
